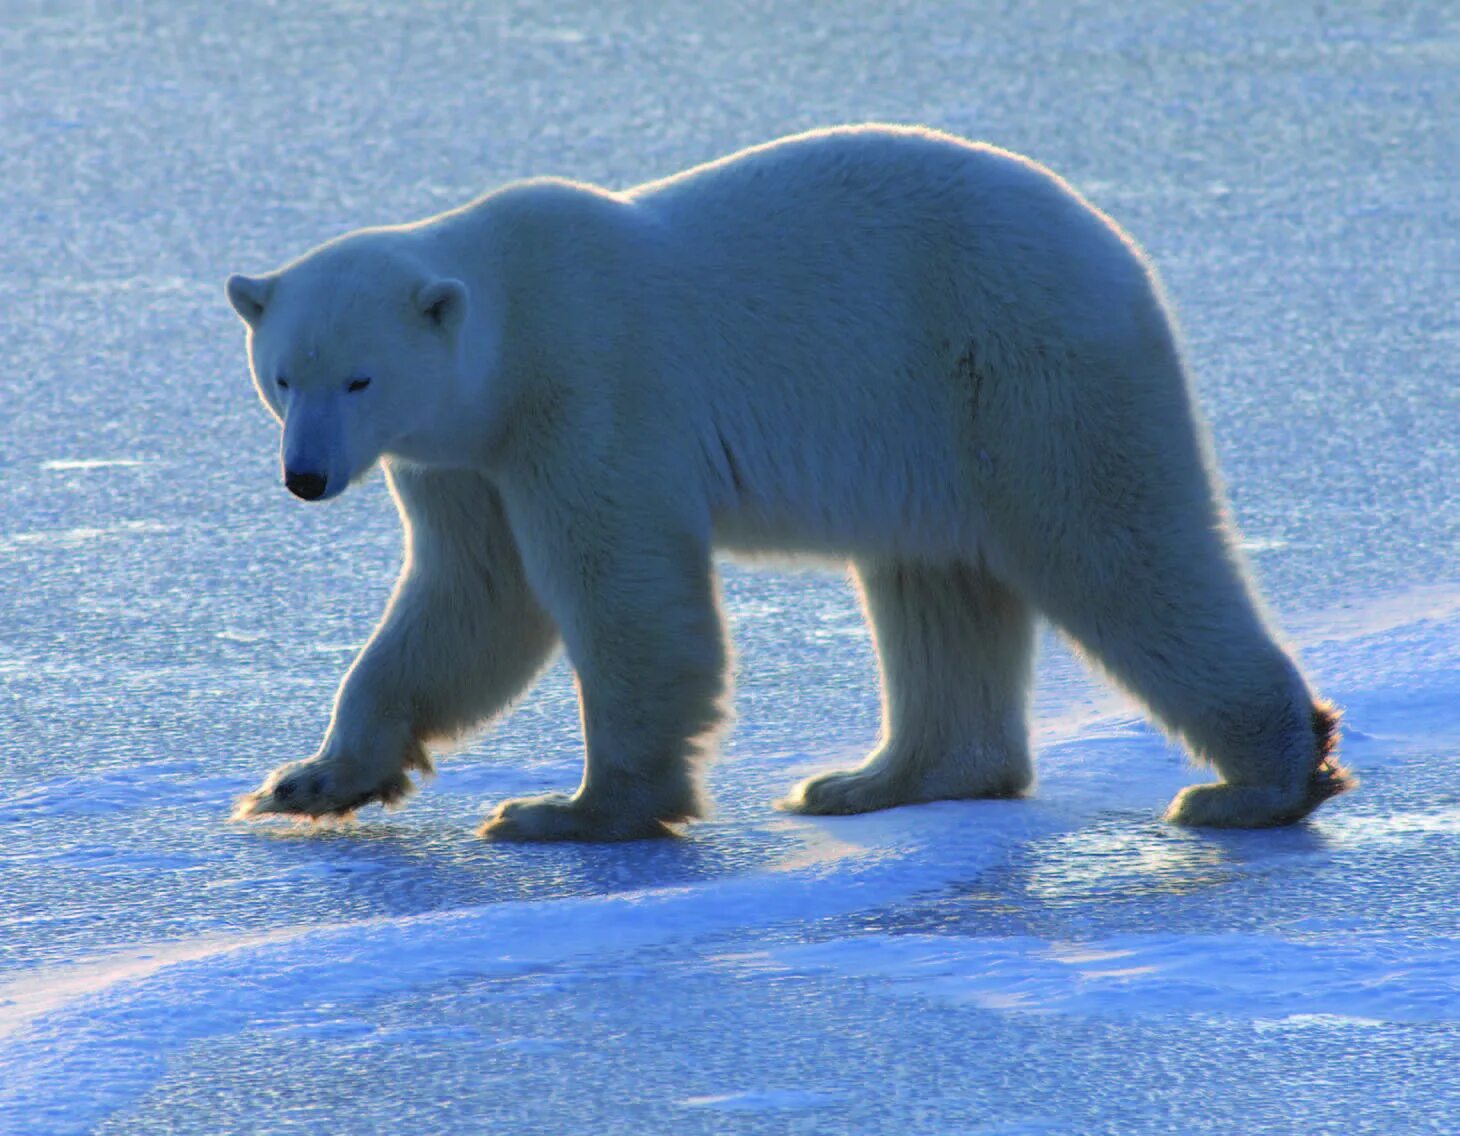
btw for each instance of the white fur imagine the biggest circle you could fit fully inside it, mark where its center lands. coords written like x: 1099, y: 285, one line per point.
x: 930, y: 358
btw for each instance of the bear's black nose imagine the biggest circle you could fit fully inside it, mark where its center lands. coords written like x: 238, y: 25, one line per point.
x: 310, y: 486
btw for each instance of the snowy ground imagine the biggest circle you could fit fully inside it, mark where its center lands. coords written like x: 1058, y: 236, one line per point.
x: 173, y: 624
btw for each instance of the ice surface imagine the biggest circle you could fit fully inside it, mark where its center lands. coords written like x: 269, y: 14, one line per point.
x: 174, y: 624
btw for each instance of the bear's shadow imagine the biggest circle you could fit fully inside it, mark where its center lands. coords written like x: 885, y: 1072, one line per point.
x: 437, y: 864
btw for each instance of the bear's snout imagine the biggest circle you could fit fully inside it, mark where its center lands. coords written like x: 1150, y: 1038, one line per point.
x: 310, y: 486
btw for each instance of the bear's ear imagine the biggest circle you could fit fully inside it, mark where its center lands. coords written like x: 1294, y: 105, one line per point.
x: 249, y: 295
x: 443, y: 302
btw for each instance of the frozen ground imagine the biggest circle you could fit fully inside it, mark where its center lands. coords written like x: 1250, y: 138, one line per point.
x: 173, y: 624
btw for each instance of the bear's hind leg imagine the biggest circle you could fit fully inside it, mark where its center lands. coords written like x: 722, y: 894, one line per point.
x: 956, y: 651
x: 1180, y: 629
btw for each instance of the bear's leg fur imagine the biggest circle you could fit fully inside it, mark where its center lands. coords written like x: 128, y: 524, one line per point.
x: 462, y: 636
x: 1179, y: 628
x: 956, y: 650
x: 643, y: 628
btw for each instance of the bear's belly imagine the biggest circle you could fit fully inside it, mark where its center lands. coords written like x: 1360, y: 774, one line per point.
x: 924, y: 528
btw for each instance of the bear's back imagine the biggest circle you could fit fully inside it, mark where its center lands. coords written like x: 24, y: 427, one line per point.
x: 910, y: 215
x: 855, y: 180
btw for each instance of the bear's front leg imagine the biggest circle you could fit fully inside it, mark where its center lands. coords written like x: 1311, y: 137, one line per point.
x: 644, y: 633
x: 462, y: 637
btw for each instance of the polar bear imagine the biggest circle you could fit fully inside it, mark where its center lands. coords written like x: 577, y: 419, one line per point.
x: 888, y: 346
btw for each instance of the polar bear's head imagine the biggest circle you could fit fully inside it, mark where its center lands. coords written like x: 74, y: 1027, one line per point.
x: 355, y: 348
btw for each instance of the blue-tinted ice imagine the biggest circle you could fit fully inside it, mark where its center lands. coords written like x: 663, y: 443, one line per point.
x: 174, y: 624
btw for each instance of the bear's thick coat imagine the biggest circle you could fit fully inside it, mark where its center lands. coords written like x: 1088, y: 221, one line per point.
x: 884, y: 345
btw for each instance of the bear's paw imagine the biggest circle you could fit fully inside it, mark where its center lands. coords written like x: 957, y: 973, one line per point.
x: 313, y: 790
x: 556, y: 816
x: 1219, y: 805
x: 882, y: 783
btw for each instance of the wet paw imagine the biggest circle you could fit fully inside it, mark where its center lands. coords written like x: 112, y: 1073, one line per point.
x: 556, y: 816
x: 314, y: 789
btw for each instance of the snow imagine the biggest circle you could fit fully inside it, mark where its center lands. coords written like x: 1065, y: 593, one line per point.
x: 174, y: 624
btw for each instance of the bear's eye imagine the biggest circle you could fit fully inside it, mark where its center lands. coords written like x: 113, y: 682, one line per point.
x: 357, y: 385
x: 282, y: 383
